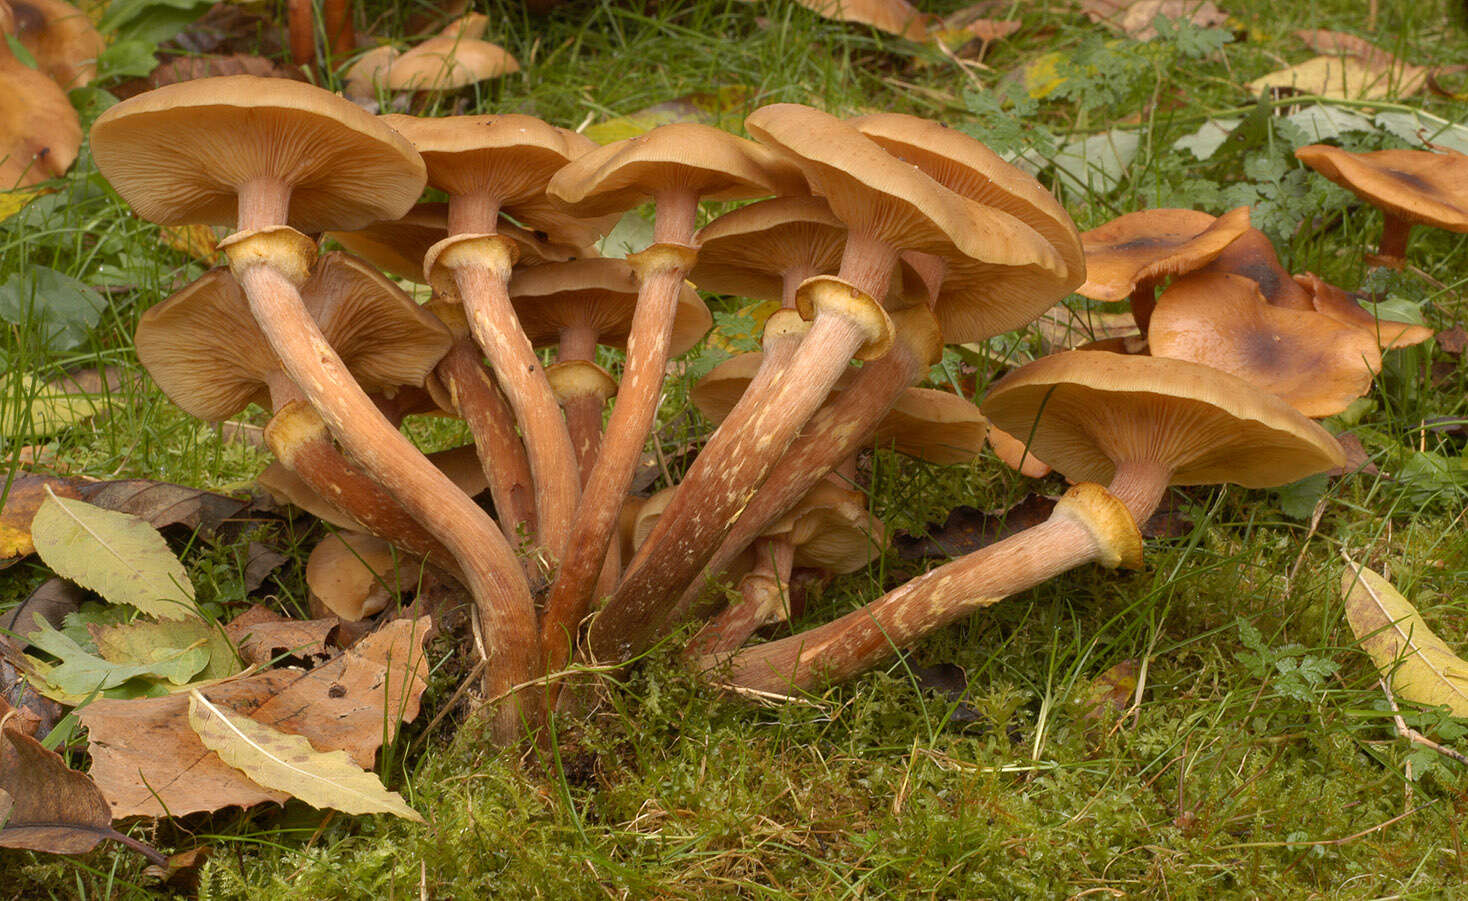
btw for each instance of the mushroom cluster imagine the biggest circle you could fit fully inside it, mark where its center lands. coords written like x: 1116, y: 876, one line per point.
x: 881, y: 238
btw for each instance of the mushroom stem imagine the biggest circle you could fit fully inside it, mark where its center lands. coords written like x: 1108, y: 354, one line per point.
x: 1088, y: 525
x: 763, y: 600
x: 1140, y: 485
x: 1394, y: 232
x: 473, y: 214
x: 341, y: 37
x: 494, y: 577
x: 583, y: 410
x: 264, y: 201
x: 1143, y: 302
x: 301, y: 27
x: 500, y: 451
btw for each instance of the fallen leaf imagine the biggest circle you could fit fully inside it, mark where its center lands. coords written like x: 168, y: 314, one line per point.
x: 182, y: 870
x: 1135, y: 17
x: 148, y: 762
x: 948, y: 681
x: 1357, y: 459
x: 968, y: 529
x: 197, y: 241
x: 12, y: 202
x: 51, y: 808
x: 40, y: 410
x: 288, y: 763
x: 188, y: 68
x: 980, y: 32
x: 141, y: 641
x: 1422, y: 667
x: 1344, y: 78
x: 163, y: 503
x: 117, y: 555
x: 1062, y: 328
x: 80, y: 672
x: 1339, y: 43
x: 1453, y: 341
x: 260, y: 562
x: 21, y: 502
x: 262, y: 636
x: 52, y: 600
x: 723, y: 108
x: 892, y: 16
x: 1111, y: 692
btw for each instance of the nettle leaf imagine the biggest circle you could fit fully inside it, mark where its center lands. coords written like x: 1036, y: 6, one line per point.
x: 288, y: 763
x: 81, y: 672
x: 116, y: 555
x: 58, y: 309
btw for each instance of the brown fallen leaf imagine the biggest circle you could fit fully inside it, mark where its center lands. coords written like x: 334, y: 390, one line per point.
x: 182, y: 870
x: 262, y: 635
x: 1357, y: 459
x: 52, y: 808
x: 260, y: 562
x: 149, y: 762
x: 1135, y: 17
x: 1111, y: 693
x: 163, y: 503
x: 21, y: 502
x: 1453, y: 340
x: 189, y: 68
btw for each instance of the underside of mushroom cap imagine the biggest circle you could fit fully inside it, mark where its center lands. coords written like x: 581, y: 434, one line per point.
x: 1317, y: 364
x: 934, y: 426
x: 1086, y: 412
x: 511, y: 156
x: 682, y: 156
x: 600, y: 294
x: 180, y: 154
x: 1416, y: 185
x: 1152, y: 244
x: 746, y: 252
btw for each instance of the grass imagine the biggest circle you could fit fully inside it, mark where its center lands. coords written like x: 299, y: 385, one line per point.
x: 1261, y: 759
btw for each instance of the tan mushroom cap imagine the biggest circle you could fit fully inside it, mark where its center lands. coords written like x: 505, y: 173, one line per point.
x: 683, y: 155
x: 1416, y: 185
x: 354, y: 575
x: 1252, y: 256
x: 832, y: 530
x: 511, y: 156
x: 39, y: 130
x: 179, y: 155
x: 206, y: 353
x: 924, y: 424
x: 446, y: 63
x: 874, y: 192
x: 745, y: 252
x: 964, y: 165
x: 398, y: 247
x: 1013, y: 453
x: 1342, y: 306
x: 1088, y: 411
x: 601, y: 294
x: 1315, y: 363
x: 1152, y: 244
x: 60, y: 37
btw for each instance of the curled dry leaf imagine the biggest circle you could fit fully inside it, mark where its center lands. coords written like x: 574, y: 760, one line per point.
x: 163, y: 503
x: 1350, y: 68
x: 1135, y: 17
x: 1422, y: 667
x: 149, y: 762
x: 262, y: 635
x: 288, y: 763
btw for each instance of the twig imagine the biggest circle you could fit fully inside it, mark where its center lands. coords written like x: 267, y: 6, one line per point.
x: 1327, y: 842
x: 1413, y: 735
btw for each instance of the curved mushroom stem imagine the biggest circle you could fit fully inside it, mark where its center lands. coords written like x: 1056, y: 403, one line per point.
x: 301, y: 27
x: 764, y: 599
x: 500, y: 451
x: 739, y: 456
x: 1143, y: 302
x: 661, y: 269
x: 494, y: 577
x: 583, y: 411
x: 341, y: 37
x: 1394, y: 233
x: 1088, y: 526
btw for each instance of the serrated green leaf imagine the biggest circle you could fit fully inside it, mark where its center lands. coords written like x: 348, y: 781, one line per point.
x: 117, y: 555
x: 81, y: 672
x: 1422, y: 667
x: 141, y: 641
x: 285, y: 762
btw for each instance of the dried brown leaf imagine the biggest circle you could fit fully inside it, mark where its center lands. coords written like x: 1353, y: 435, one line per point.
x: 163, y: 503
x: 1135, y: 17
x: 892, y: 16
x: 21, y: 502
x: 262, y: 635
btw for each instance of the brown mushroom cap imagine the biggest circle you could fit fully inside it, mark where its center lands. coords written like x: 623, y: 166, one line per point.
x: 1315, y: 363
x: 1418, y: 186
x: 1013, y: 453
x: 446, y: 63
x: 206, y: 353
x: 1152, y: 244
x: 684, y: 155
x: 398, y: 247
x: 1342, y: 306
x: 1252, y: 256
x: 746, y: 252
x: 39, y: 130
x: 601, y: 294
x: 1087, y: 412
x: 832, y: 530
x: 179, y: 154
x: 60, y: 37
x: 510, y: 156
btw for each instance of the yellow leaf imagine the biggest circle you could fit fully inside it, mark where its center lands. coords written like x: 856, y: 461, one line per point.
x: 11, y: 202
x: 198, y: 241
x: 723, y: 108
x: 1345, y: 78
x: 1423, y: 668
x: 1042, y: 76
x: 735, y: 339
x: 288, y: 763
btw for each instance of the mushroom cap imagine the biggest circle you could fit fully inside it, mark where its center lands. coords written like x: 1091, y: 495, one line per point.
x: 1416, y: 185
x: 60, y: 37
x: 179, y: 154
x: 39, y: 130
x: 681, y: 156
x: 1252, y: 256
x: 398, y: 246
x: 1084, y: 412
x: 746, y: 252
x: 446, y: 63
x: 1317, y: 364
x: 832, y: 530
x: 925, y: 424
x: 1013, y: 453
x: 964, y: 165
x: 355, y: 575
x: 1151, y: 244
x: 206, y: 353
x: 1342, y: 306
x: 600, y: 293
x: 509, y: 156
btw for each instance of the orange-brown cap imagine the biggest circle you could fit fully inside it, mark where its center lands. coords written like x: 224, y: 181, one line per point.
x: 510, y: 156
x: 1152, y: 244
x: 61, y: 39
x: 39, y: 130
x: 1087, y: 412
x: 1342, y: 306
x: 1416, y: 185
x: 1317, y: 364
x: 179, y: 154
x: 600, y: 294
x: 446, y: 63
x: 1252, y: 256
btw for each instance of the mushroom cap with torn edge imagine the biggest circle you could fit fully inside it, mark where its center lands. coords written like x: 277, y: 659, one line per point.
x: 1086, y: 412
x: 1152, y: 244
x: 180, y: 154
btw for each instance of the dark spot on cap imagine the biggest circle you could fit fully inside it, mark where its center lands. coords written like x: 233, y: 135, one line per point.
x: 1408, y: 178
